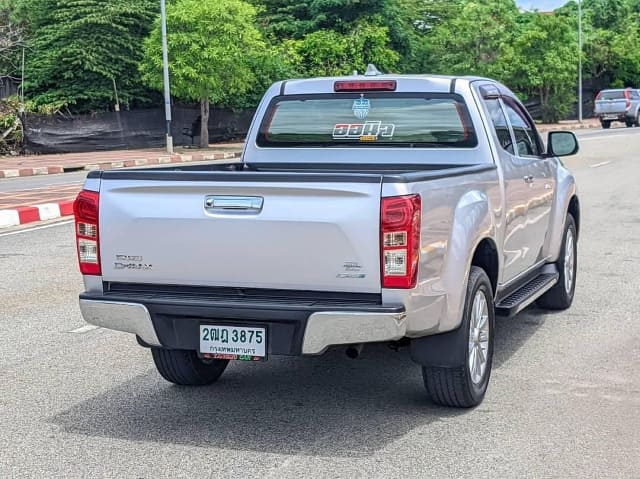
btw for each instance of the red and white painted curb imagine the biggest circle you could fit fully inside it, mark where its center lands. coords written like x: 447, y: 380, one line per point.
x: 29, y: 214
x: 38, y: 170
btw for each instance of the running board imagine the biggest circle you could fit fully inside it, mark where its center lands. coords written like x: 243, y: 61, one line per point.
x: 523, y: 297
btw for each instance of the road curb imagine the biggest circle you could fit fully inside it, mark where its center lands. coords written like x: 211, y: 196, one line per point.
x: 584, y: 126
x: 30, y: 214
x: 110, y: 165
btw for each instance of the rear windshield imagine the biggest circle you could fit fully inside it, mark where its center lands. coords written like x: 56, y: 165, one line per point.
x: 612, y: 95
x: 369, y: 120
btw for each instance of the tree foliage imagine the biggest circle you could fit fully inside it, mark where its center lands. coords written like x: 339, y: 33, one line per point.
x: 543, y: 63
x: 328, y: 53
x: 13, y: 39
x: 82, y: 51
x: 215, y: 50
x: 476, y: 40
x: 76, y: 49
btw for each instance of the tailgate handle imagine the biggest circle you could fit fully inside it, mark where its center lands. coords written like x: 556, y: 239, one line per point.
x: 247, y: 204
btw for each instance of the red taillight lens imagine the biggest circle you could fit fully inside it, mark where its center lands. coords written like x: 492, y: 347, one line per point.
x: 627, y: 96
x: 400, y: 241
x: 599, y: 96
x: 85, y: 210
x: 379, y: 85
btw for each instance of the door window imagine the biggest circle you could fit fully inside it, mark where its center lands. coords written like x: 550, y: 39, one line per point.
x: 500, y: 125
x: 527, y: 140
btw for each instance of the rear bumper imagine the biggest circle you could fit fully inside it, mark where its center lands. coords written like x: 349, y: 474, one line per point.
x: 626, y: 116
x: 291, y: 329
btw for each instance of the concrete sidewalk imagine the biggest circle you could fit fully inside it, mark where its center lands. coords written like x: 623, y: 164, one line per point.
x: 105, y: 160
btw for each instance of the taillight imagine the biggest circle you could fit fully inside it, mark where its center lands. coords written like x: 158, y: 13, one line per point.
x: 85, y: 210
x: 599, y: 96
x: 400, y: 240
x: 627, y: 96
x: 367, y: 85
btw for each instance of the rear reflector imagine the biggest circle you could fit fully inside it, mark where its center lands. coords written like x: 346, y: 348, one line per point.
x: 377, y: 85
x: 400, y: 220
x: 85, y: 210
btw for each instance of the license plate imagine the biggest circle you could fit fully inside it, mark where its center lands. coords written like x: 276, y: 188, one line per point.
x: 610, y: 117
x: 233, y: 342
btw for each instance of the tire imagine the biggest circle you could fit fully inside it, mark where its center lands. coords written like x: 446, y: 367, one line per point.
x: 630, y: 123
x: 460, y: 385
x: 637, y: 123
x: 561, y: 295
x: 185, y: 368
x: 606, y: 124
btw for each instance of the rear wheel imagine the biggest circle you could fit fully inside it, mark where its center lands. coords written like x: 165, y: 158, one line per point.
x: 606, y: 124
x: 630, y: 123
x: 638, y: 119
x: 185, y: 368
x: 464, y: 384
x: 561, y: 295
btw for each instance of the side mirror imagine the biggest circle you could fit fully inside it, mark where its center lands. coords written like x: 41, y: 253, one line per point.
x: 562, y: 143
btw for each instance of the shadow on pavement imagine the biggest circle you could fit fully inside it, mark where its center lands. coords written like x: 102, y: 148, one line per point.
x: 512, y: 333
x: 328, y: 405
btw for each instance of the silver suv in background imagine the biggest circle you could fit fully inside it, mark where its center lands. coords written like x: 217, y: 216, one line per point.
x: 621, y: 105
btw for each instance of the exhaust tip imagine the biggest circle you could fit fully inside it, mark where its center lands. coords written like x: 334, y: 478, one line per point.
x: 354, y: 351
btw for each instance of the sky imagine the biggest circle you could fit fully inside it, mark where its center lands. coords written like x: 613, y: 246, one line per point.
x: 543, y: 5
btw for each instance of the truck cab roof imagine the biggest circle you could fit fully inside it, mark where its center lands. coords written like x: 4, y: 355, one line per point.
x: 405, y: 83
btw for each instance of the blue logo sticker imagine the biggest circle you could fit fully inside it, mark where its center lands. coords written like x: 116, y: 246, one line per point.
x: 361, y: 107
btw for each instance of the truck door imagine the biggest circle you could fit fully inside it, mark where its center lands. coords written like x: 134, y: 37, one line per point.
x: 538, y: 180
x: 523, y: 233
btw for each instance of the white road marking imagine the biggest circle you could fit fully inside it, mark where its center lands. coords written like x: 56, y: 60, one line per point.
x: 598, y: 165
x: 601, y: 137
x: 84, y: 329
x: 36, y: 228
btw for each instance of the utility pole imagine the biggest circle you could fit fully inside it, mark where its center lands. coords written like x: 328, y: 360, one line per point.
x: 580, y: 61
x: 165, y: 68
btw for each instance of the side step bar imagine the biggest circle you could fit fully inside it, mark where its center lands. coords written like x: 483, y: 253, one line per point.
x: 527, y: 294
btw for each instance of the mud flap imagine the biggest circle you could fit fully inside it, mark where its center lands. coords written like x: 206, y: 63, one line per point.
x: 440, y: 350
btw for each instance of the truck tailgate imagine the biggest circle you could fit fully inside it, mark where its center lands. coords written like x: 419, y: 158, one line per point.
x: 610, y: 106
x: 303, y: 236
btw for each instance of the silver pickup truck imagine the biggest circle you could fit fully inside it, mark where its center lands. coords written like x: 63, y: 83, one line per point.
x: 618, y: 105
x: 408, y: 210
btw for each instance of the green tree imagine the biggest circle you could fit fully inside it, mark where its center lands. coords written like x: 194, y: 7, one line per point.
x: 83, y: 50
x: 328, y: 53
x: 544, y: 63
x: 475, y: 41
x: 612, y: 42
x: 293, y: 19
x: 13, y: 38
x: 214, y: 49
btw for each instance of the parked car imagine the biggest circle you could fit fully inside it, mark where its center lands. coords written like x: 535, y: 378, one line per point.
x: 402, y: 209
x: 618, y: 105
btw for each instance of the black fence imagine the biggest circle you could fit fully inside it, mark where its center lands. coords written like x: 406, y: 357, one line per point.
x: 8, y: 86
x: 128, y: 129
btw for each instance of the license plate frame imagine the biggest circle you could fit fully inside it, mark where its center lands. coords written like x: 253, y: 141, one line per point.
x: 610, y: 117
x: 218, y: 341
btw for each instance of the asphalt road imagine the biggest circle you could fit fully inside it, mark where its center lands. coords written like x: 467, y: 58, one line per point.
x: 564, y: 398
